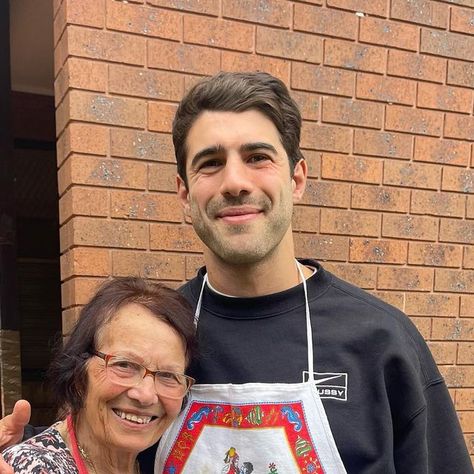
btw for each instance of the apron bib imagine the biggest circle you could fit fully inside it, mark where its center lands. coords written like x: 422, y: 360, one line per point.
x: 260, y: 428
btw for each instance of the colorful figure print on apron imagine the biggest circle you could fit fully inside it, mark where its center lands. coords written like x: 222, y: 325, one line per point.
x: 260, y: 428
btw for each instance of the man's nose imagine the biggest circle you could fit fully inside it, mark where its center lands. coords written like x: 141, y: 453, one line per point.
x: 236, y: 178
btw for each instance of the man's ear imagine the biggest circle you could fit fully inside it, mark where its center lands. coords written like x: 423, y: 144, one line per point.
x: 183, y: 194
x: 300, y: 175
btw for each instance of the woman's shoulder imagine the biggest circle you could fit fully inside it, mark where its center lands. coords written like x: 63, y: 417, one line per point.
x: 44, y: 453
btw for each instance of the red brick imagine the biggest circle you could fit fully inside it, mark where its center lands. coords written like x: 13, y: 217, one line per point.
x: 305, y: 219
x: 95, y: 232
x: 377, y: 251
x: 80, y: 74
x: 238, y: 62
x: 152, y: 265
x: 144, y: 20
x: 451, y: 45
x: 351, y: 168
x: 470, y: 207
x: 178, y: 238
x: 193, y: 264
x: 468, y: 259
x: 345, y: 222
x: 456, y: 376
x: 451, y: 152
x: 434, y: 255
x: 459, y: 126
x: 452, y: 329
x: 380, y: 198
x: 461, y: 73
x: 79, y: 290
x: 69, y: 318
x: 61, y: 53
x: 455, y: 99
x: 106, y: 45
x: 363, y: 276
x: 437, y: 204
x: 415, y: 121
x: 349, y: 55
x: 83, y: 261
x: 455, y: 281
x: 443, y: 352
x: 183, y: 57
x: 465, y: 396
x: 141, y: 145
x: 413, y: 175
x: 145, y: 206
x: 420, y: 11
x: 374, y: 7
x: 308, y: 103
x: 467, y: 306
x: 462, y: 20
x: 324, y: 137
x: 82, y: 138
x: 422, y: 304
x: 145, y: 83
x: 465, y: 356
x: 162, y: 177
x: 423, y: 325
x: 90, y: 107
x: 106, y: 172
x: 291, y: 45
x: 208, y: 7
x: 391, y: 145
x: 456, y: 230
x: 160, y: 116
x: 385, y: 89
x: 394, y: 298
x: 270, y: 12
x: 322, y: 79
x: 313, y: 159
x: 321, y: 247
x: 219, y: 33
x: 79, y: 201
x: 458, y: 179
x: 388, y: 33
x: 324, y: 21
x: 352, y: 112
x: 324, y: 194
x: 416, y: 66
x: 408, y: 279
x: 410, y: 227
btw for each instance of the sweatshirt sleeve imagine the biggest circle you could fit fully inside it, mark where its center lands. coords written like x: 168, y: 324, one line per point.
x: 431, y: 442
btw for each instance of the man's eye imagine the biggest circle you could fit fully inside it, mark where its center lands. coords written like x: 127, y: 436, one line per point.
x: 209, y: 164
x: 258, y: 157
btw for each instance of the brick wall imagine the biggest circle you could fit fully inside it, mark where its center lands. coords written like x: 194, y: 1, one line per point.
x: 386, y: 92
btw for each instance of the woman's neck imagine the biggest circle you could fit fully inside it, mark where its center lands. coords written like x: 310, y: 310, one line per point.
x: 99, y: 458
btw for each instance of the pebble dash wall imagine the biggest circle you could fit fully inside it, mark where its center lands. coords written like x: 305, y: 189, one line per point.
x: 386, y: 92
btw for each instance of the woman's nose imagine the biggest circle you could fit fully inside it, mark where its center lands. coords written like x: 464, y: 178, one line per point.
x: 145, y: 391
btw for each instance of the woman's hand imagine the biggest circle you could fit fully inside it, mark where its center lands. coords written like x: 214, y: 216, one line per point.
x: 11, y: 430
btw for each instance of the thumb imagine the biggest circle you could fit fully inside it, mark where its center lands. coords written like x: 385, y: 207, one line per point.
x: 20, y: 416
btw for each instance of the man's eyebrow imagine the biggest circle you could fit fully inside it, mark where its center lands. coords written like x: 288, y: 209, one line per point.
x: 208, y: 151
x: 257, y: 146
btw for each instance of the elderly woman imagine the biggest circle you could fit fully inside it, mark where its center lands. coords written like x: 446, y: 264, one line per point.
x: 119, y: 382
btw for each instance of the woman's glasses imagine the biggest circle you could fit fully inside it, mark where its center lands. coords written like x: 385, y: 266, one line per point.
x: 128, y: 373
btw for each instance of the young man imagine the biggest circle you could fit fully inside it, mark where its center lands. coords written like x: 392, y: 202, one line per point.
x: 300, y: 371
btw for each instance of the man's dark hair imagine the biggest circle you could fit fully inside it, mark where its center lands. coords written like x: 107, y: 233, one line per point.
x: 68, y: 370
x: 239, y: 92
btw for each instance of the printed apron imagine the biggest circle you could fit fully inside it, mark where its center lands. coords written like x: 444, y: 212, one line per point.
x: 260, y: 428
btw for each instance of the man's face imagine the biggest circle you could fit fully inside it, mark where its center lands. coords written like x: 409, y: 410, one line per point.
x: 240, y: 193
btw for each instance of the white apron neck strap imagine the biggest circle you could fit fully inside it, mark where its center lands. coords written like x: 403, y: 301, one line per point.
x: 309, y: 331
x: 197, y: 312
